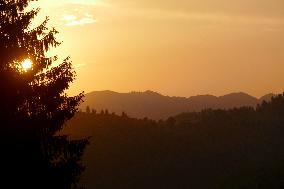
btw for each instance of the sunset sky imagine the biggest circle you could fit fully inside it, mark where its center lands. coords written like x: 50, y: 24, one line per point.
x: 175, y: 47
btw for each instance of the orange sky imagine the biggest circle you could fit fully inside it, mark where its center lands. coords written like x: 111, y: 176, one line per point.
x: 176, y: 47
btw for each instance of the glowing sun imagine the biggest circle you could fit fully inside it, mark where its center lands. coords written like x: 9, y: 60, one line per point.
x: 27, y: 64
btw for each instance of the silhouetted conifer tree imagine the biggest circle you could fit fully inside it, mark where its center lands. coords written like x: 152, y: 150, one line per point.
x: 34, y: 105
x: 123, y: 114
x: 94, y: 111
x: 88, y: 110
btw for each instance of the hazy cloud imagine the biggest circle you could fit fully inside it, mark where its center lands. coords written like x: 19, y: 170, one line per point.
x: 265, y: 14
x: 249, y: 7
x: 56, y: 3
x: 69, y: 17
x: 77, y: 66
x: 72, y: 20
x: 209, y: 17
x: 81, y: 22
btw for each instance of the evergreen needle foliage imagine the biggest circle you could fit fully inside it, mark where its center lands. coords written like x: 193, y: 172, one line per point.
x: 34, y: 105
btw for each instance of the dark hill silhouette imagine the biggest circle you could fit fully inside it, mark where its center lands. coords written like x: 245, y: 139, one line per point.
x: 240, y: 148
x: 156, y: 106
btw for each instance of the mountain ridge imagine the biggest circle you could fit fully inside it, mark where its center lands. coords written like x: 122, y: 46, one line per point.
x: 154, y: 105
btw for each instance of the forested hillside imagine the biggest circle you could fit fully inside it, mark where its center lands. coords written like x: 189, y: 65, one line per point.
x: 233, y: 149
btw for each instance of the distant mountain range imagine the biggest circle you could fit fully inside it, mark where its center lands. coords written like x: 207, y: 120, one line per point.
x: 156, y: 106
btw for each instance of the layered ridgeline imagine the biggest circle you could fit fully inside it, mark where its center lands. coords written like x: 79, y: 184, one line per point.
x: 218, y: 149
x: 156, y: 106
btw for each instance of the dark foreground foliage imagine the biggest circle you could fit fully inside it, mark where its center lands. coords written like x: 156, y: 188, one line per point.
x: 217, y: 149
x: 34, y: 106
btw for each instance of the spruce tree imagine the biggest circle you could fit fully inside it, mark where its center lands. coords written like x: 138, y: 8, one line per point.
x: 34, y: 105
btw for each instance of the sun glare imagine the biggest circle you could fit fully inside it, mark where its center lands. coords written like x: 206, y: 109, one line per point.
x: 27, y: 64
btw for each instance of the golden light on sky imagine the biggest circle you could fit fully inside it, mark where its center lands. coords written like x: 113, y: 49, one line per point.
x: 175, y: 47
x: 27, y: 64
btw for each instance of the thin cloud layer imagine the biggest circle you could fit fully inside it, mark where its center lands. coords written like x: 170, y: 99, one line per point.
x: 69, y: 17
x: 248, y: 7
x: 81, y: 22
x: 56, y: 3
x: 72, y: 20
x: 67, y: 12
x: 78, y: 66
